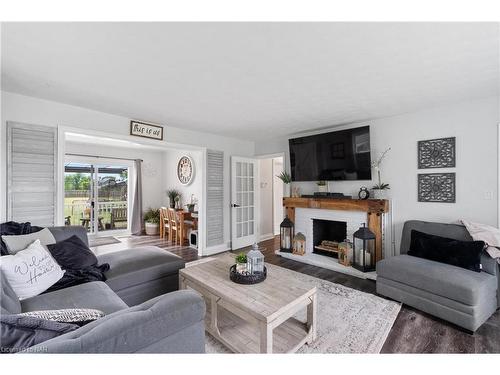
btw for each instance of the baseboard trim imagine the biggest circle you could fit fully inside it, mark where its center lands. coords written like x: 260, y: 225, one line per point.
x: 266, y: 237
x: 216, y: 249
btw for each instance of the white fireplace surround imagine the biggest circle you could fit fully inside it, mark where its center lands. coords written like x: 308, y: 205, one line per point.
x: 304, y: 223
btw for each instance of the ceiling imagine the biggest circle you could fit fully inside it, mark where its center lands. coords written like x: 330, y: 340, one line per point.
x: 252, y: 80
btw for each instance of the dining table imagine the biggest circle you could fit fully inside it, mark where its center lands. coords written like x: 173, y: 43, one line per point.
x: 186, y: 216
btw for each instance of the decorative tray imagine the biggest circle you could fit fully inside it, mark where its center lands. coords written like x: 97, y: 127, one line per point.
x: 249, y: 279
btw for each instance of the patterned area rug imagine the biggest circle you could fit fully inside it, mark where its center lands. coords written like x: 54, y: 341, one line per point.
x: 349, y: 321
x: 101, y: 241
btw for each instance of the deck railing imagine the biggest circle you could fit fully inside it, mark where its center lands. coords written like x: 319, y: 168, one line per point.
x: 74, y: 212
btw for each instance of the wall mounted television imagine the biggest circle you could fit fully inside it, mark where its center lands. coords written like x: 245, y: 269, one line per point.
x: 333, y: 156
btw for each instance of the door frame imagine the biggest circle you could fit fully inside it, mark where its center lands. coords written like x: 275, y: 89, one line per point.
x: 272, y: 156
x: 256, y: 202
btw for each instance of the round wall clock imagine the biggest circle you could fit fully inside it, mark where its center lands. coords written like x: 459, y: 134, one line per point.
x: 185, y: 170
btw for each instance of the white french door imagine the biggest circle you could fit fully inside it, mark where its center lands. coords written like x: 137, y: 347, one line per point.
x: 244, y: 202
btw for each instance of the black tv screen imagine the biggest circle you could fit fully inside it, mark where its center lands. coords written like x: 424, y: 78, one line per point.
x: 339, y: 155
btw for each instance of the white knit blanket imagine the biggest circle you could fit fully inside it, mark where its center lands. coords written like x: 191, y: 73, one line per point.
x: 490, y: 235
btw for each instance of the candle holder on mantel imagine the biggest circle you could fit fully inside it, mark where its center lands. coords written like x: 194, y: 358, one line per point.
x: 364, y: 249
x: 286, y: 235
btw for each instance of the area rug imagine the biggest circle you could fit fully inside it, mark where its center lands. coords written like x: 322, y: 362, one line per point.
x: 101, y: 241
x: 349, y: 321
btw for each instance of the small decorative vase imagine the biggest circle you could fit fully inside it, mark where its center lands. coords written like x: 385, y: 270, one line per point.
x: 286, y: 190
x: 379, y: 193
x: 241, y: 268
x: 152, y: 229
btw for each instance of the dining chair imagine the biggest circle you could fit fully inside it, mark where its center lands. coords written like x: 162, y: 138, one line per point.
x: 174, y: 226
x: 164, y: 223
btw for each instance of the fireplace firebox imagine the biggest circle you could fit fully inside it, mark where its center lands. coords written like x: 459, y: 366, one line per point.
x: 327, y: 234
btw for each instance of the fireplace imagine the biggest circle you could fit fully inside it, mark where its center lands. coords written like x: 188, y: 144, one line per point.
x: 327, y: 234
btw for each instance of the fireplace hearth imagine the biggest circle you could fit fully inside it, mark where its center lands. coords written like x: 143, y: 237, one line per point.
x: 327, y: 234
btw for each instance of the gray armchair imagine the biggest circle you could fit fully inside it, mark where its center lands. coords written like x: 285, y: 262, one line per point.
x: 465, y: 298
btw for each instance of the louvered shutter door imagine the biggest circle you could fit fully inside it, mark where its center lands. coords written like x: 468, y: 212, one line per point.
x: 31, y: 173
x: 215, y: 198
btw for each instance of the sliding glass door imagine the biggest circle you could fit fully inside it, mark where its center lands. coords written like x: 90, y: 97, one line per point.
x: 96, y: 195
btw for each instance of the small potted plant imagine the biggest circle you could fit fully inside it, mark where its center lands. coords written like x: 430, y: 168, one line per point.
x: 322, y: 186
x: 152, y: 221
x: 177, y: 201
x: 172, y: 194
x: 287, y: 180
x: 190, y: 206
x: 380, y: 188
x: 241, y: 263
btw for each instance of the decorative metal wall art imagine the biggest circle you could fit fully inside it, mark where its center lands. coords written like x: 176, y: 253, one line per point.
x: 436, y: 187
x: 436, y: 153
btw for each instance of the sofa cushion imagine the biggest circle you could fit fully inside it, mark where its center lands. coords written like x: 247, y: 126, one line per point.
x: 20, y: 242
x: 19, y: 333
x: 9, y: 301
x: 452, y: 282
x: 65, y: 232
x: 464, y: 254
x: 93, y: 295
x: 72, y: 253
x: 31, y: 271
x: 139, y: 265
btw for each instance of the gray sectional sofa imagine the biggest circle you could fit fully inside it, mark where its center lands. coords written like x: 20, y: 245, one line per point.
x: 144, y: 310
x: 465, y: 298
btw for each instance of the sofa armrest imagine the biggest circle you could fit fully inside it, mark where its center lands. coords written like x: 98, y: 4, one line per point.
x: 489, y: 264
x: 141, y: 328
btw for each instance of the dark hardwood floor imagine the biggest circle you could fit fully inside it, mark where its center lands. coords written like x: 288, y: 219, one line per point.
x: 413, y: 330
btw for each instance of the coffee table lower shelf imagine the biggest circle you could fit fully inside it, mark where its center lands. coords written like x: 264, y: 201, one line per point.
x: 241, y: 336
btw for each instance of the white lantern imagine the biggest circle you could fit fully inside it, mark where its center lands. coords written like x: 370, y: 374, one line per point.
x: 255, y: 260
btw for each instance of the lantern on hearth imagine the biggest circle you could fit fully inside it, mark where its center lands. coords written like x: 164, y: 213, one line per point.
x: 255, y: 260
x: 364, y: 249
x: 286, y: 235
x: 299, y: 244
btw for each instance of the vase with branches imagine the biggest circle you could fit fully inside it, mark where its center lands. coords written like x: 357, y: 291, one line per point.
x: 376, y: 165
x: 287, y: 180
x: 173, y: 195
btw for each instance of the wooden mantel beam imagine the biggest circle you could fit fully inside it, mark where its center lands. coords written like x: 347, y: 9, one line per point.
x: 377, y: 206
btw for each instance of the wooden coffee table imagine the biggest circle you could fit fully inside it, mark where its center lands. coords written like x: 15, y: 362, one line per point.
x: 253, y: 318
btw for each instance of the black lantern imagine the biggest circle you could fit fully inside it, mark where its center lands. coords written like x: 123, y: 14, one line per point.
x: 286, y: 235
x: 364, y: 250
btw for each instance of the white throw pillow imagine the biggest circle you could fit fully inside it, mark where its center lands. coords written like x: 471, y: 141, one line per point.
x: 31, y: 271
x: 20, y: 242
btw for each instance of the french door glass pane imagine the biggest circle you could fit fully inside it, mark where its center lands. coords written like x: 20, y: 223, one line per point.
x: 245, y: 199
x: 112, y: 190
x: 78, y: 197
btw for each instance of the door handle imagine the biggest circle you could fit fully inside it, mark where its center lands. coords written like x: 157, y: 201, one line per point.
x: 235, y: 205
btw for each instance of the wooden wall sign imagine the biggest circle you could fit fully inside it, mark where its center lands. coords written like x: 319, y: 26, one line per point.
x: 142, y: 129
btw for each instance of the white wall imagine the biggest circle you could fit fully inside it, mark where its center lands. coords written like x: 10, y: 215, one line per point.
x: 266, y: 197
x: 43, y: 112
x: 277, y: 194
x: 170, y: 180
x: 153, y: 184
x: 473, y: 123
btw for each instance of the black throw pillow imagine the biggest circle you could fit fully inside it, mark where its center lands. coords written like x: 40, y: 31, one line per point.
x: 18, y: 333
x: 464, y: 254
x: 78, y: 262
x: 73, y: 253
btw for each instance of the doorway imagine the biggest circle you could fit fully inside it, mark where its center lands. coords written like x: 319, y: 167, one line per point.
x: 271, y: 193
x: 96, y: 195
